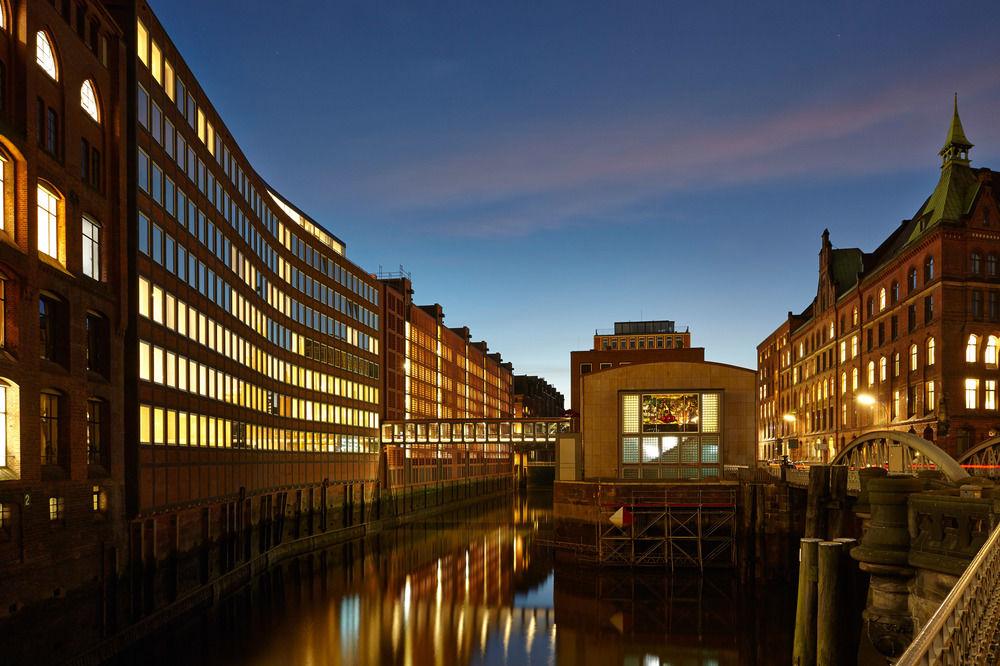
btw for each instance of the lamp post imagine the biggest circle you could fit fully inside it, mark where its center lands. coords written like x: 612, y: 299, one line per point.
x: 791, y: 420
x: 868, y: 400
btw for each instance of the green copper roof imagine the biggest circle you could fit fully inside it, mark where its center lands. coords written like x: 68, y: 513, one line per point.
x: 845, y: 264
x: 956, y: 135
x: 956, y: 188
x: 952, y: 198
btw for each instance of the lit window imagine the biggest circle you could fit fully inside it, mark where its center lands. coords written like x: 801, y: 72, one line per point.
x: 88, y: 100
x: 57, y: 507
x: 45, y: 55
x: 96, y: 499
x: 48, y: 222
x: 854, y: 379
x: 971, y: 393
x: 930, y: 351
x: 854, y: 316
x: 972, y: 349
x: 929, y: 405
x: 871, y: 372
x: 990, y: 353
x: 155, y: 61
x: 854, y: 346
x: 990, y: 394
x: 913, y: 357
x: 883, y: 369
x: 895, y: 364
x: 843, y: 382
x: 142, y: 42
x: 3, y: 186
x: 91, y: 248
x: 881, y: 299
x: 168, y: 79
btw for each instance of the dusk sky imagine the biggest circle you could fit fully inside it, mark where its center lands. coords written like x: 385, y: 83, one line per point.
x: 545, y: 169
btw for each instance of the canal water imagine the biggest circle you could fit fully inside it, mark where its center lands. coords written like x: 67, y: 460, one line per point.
x: 479, y: 586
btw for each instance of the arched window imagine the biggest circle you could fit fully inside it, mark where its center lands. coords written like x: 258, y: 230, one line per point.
x: 928, y: 269
x: 881, y: 299
x: 990, y: 352
x: 883, y: 369
x: 870, y: 307
x: 974, y: 263
x: 843, y: 382
x: 930, y: 351
x: 854, y: 379
x: 895, y: 293
x: 972, y: 349
x: 45, y: 55
x: 911, y: 280
x: 895, y: 364
x: 854, y: 316
x: 871, y: 373
x: 913, y: 358
x: 88, y: 100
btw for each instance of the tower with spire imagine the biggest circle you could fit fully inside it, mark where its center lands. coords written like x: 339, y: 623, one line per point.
x: 956, y: 145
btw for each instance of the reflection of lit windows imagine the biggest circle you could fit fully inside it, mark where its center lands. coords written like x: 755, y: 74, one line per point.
x: 91, y: 233
x: 96, y: 450
x: 49, y: 427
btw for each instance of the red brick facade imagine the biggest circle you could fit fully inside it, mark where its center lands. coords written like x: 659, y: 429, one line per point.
x: 894, y: 326
x: 433, y: 371
x: 61, y: 481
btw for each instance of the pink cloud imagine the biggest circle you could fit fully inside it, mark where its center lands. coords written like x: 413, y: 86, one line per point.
x: 546, y: 177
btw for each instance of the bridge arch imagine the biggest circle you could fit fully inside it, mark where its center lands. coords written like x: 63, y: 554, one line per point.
x: 899, y: 453
x: 983, y: 459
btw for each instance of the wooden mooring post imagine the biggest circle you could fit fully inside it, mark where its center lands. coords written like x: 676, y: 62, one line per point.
x: 830, y: 598
x: 804, y: 645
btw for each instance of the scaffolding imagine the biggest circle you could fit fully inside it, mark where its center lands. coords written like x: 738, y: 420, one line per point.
x: 668, y: 526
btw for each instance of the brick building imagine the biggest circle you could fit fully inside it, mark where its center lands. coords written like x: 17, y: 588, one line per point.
x: 534, y: 397
x: 660, y: 334
x: 904, y: 337
x: 627, y: 343
x: 433, y: 371
x: 63, y: 318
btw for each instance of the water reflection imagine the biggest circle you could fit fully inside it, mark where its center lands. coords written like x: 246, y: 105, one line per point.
x: 479, y: 588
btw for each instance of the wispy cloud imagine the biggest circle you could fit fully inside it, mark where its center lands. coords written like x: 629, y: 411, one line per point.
x: 549, y: 174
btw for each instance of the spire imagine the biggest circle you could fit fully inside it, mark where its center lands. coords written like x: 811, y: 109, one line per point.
x: 956, y: 146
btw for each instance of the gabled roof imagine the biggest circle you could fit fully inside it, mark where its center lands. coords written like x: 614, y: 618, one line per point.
x: 845, y: 265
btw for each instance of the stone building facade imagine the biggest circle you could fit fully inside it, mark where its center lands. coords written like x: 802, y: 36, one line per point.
x: 667, y: 421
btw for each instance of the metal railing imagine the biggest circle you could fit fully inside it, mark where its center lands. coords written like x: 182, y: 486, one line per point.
x: 964, y: 629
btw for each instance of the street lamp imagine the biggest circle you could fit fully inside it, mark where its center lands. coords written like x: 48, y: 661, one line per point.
x: 868, y: 400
